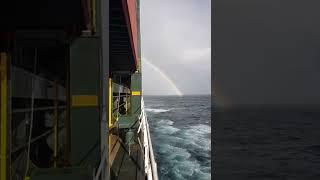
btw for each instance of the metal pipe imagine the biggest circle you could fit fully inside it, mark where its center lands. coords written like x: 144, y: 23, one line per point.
x: 126, y: 104
x: 33, y: 140
x: 110, y: 102
x: 94, y: 14
x: 55, y: 125
x: 120, y: 95
x: 31, y: 116
x: 119, y: 106
x: 24, y: 110
x: 3, y: 120
x: 67, y: 119
x: 101, y: 165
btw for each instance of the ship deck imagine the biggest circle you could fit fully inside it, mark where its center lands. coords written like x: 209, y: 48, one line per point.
x: 123, y: 165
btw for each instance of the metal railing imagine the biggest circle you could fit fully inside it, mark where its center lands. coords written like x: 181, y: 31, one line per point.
x: 150, y: 165
x: 118, y: 92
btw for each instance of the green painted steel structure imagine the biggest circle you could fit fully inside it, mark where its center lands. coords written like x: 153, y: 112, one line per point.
x: 84, y: 80
x: 91, y: 45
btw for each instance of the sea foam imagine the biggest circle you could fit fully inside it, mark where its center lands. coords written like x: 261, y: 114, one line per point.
x: 157, y: 110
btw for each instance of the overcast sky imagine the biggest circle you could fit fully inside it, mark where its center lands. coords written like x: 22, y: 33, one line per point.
x: 176, y: 40
x: 267, y: 52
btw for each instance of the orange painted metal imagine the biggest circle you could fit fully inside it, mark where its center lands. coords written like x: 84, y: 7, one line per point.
x: 130, y: 11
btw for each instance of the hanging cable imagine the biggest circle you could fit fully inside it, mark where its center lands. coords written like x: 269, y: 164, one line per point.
x: 31, y: 114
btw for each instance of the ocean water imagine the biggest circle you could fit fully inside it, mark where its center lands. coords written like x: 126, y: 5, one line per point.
x: 267, y: 143
x: 180, y: 129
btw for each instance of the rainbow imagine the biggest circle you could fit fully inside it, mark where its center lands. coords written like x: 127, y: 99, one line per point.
x: 167, y: 78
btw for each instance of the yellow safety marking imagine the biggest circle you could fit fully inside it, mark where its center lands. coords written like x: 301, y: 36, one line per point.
x: 3, y: 130
x: 110, y: 102
x: 27, y: 178
x: 136, y: 93
x: 84, y: 100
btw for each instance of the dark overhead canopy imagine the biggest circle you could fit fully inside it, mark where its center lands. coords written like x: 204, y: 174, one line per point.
x: 121, y: 54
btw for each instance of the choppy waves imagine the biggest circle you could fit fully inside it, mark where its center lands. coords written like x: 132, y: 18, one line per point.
x: 182, y: 151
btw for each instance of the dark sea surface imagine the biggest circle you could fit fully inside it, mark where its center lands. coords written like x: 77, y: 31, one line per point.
x: 180, y: 129
x: 267, y: 143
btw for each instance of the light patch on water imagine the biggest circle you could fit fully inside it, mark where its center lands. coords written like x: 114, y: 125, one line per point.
x: 157, y: 110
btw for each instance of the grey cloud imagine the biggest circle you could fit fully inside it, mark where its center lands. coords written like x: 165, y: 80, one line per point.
x: 268, y: 53
x: 169, y: 29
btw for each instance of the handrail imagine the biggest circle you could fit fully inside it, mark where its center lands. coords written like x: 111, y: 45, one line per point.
x: 114, y: 108
x: 150, y: 163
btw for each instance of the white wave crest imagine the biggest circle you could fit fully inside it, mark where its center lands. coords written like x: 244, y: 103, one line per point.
x: 153, y: 110
x: 174, y: 152
x: 197, y: 136
x: 201, y: 129
x: 180, y: 165
x: 164, y: 122
x: 167, y: 130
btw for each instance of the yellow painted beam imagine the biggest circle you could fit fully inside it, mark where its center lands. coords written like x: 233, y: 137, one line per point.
x: 110, y: 102
x: 94, y: 14
x: 3, y: 130
x: 136, y: 93
x: 84, y: 100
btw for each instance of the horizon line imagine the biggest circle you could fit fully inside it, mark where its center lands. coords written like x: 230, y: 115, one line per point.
x: 176, y: 94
